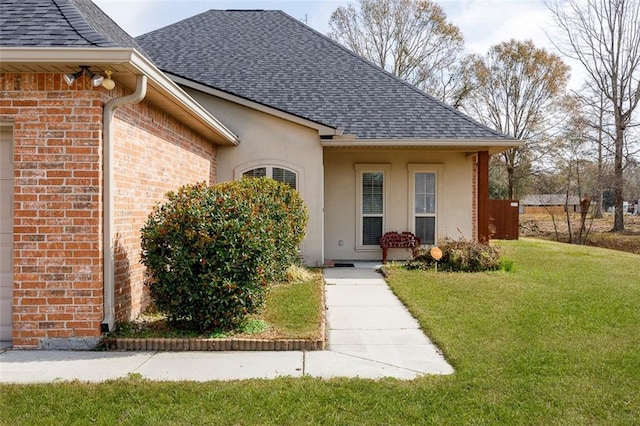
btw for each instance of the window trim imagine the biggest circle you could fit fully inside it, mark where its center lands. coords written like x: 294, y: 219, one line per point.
x: 412, y: 169
x: 360, y: 169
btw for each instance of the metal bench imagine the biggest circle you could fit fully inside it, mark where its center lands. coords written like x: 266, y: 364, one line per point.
x: 399, y: 240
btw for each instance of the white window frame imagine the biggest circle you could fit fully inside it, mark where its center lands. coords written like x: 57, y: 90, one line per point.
x: 360, y: 169
x: 412, y: 169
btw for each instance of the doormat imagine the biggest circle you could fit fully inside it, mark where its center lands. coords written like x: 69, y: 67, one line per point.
x: 343, y: 265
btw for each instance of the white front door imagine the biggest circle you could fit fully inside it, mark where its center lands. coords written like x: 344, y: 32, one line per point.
x: 6, y: 231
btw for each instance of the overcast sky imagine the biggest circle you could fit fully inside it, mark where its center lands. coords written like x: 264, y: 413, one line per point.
x: 483, y: 22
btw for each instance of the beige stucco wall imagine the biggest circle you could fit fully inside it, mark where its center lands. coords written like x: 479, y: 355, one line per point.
x: 269, y: 140
x: 454, y: 197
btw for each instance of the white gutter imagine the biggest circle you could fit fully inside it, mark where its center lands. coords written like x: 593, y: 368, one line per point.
x: 54, y: 59
x: 470, y: 146
x: 352, y: 142
x: 108, y: 236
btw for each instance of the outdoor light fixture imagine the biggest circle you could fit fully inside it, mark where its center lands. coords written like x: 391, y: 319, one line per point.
x: 70, y: 78
x: 96, y: 79
x: 107, y: 83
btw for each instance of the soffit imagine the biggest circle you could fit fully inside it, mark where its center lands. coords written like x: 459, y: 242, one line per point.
x: 126, y: 65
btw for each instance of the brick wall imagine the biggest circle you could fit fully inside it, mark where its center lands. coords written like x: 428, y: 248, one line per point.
x: 57, y: 253
x: 153, y: 155
x: 57, y: 201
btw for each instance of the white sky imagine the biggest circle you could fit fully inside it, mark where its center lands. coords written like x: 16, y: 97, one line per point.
x: 483, y: 22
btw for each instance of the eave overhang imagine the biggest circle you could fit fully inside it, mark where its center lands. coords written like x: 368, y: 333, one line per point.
x: 470, y: 146
x: 126, y: 64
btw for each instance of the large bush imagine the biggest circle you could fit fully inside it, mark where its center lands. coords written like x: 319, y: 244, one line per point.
x: 210, y: 252
x: 460, y: 256
x: 283, y: 212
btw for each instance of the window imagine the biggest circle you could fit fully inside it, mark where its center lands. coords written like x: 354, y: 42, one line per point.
x: 425, y: 207
x: 372, y: 207
x: 256, y: 173
x: 284, y: 176
x: 276, y: 173
x: 371, y: 195
x: 423, y: 183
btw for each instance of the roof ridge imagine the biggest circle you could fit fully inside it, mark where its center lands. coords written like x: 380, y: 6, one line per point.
x: 388, y: 74
x: 188, y: 18
x: 77, y: 20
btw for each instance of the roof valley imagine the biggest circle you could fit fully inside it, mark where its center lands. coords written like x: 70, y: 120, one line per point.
x: 76, y: 19
x: 59, y: 23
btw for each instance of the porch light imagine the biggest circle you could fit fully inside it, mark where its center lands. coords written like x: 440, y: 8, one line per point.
x: 108, y: 83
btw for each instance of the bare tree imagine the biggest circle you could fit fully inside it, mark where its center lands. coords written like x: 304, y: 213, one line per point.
x: 599, y: 140
x: 411, y: 39
x: 518, y: 89
x: 589, y: 118
x: 604, y: 36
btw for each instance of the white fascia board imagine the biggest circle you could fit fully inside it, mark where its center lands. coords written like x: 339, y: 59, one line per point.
x: 121, y: 56
x: 322, y: 129
x: 494, y: 145
x: 63, y: 55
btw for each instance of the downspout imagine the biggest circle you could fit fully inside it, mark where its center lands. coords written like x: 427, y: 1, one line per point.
x: 108, y: 235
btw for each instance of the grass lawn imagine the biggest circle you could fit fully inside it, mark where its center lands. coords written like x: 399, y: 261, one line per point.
x: 554, y: 341
x: 295, y: 310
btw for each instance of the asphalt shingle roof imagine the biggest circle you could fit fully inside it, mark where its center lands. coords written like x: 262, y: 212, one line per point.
x: 271, y: 58
x: 59, y: 23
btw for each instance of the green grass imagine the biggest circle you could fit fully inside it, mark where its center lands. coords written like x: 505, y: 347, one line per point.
x: 292, y: 310
x: 554, y: 341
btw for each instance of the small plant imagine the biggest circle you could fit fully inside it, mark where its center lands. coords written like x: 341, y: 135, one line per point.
x: 253, y: 326
x: 460, y: 256
x: 297, y: 274
x: 506, y: 265
x: 422, y: 261
x: 134, y: 377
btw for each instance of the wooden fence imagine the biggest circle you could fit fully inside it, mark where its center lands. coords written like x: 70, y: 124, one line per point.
x: 504, y: 216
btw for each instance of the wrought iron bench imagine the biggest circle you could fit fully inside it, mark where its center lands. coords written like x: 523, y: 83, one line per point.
x: 399, y: 240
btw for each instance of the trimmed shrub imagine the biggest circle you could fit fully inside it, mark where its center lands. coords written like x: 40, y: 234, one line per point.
x: 210, y: 252
x: 460, y: 256
x: 285, y: 216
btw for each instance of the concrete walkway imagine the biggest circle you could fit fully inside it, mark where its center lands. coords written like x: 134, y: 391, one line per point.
x: 371, y: 335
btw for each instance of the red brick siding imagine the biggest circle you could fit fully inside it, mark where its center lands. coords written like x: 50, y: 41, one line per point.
x: 57, y: 201
x: 57, y: 252
x: 153, y: 154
